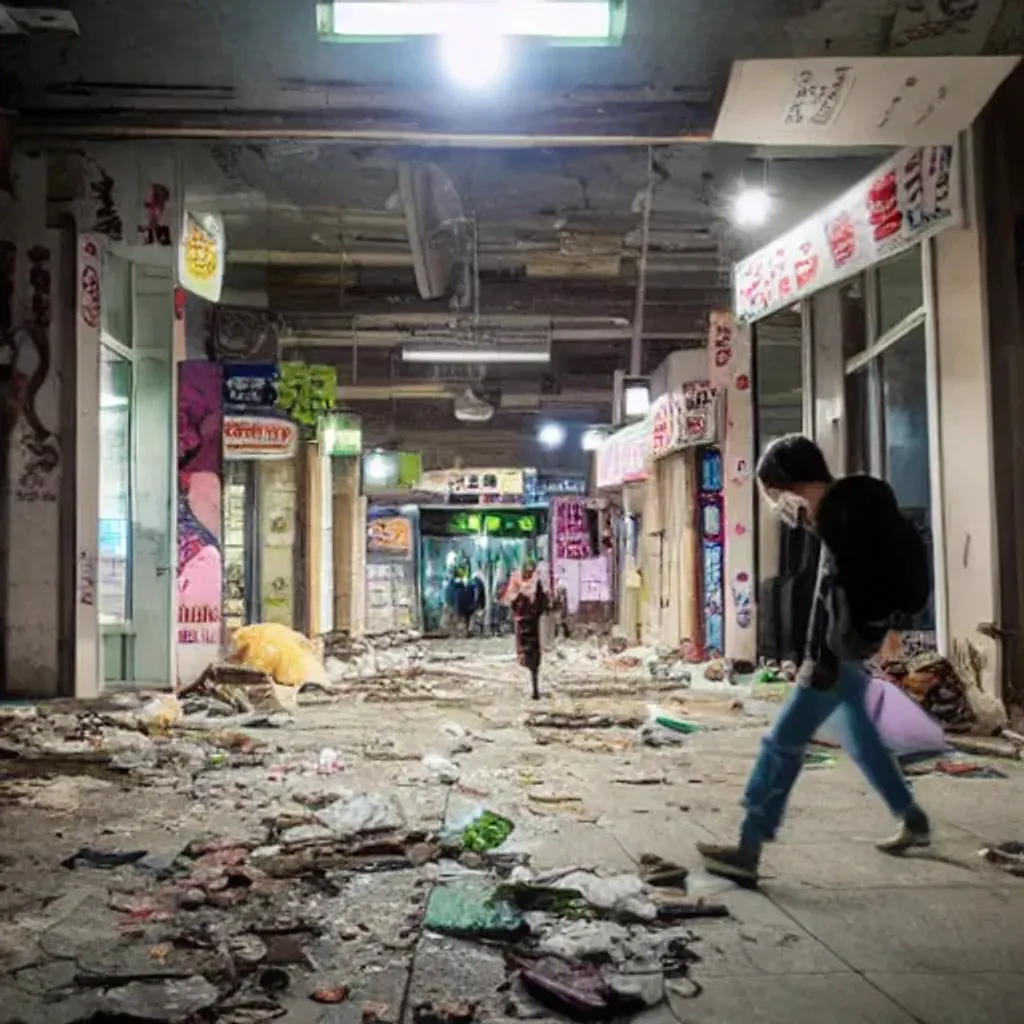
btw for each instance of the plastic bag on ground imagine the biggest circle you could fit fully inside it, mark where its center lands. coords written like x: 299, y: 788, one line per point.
x: 282, y: 653
x: 905, y: 727
x: 161, y: 712
x: 467, y: 908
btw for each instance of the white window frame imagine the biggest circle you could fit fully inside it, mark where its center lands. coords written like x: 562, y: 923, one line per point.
x: 868, y: 359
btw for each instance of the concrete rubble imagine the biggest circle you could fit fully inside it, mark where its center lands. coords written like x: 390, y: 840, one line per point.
x: 419, y: 842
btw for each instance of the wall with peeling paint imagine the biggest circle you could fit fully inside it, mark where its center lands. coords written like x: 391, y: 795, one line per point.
x: 35, y: 458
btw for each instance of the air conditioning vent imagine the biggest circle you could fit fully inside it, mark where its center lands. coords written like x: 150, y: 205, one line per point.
x: 470, y: 409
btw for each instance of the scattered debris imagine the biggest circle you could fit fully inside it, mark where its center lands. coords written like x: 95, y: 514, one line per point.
x: 967, y: 770
x: 1009, y: 856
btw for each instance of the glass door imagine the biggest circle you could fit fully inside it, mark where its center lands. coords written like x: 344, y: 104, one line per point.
x: 136, y: 564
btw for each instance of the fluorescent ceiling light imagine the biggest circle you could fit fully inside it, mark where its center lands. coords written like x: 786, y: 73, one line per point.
x: 475, y: 57
x: 547, y: 19
x: 479, y: 355
x: 637, y: 399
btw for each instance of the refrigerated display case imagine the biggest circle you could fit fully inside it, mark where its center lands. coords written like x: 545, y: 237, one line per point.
x: 485, y: 542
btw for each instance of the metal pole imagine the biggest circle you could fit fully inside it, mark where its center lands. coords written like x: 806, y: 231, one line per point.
x: 636, y: 348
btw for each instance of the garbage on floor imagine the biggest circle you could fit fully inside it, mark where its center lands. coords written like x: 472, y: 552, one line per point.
x: 283, y: 654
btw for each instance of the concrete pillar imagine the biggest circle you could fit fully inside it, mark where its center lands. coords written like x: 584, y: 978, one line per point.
x: 35, y: 457
x: 965, y: 459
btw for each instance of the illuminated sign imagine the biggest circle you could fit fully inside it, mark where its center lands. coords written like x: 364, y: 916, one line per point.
x: 259, y: 437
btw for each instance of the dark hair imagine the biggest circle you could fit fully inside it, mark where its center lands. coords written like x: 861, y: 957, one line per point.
x: 793, y: 459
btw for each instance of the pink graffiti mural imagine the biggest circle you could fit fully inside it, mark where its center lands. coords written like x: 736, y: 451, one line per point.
x: 199, y: 496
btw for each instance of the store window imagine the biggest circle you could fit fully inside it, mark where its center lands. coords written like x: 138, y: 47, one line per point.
x: 885, y: 389
x: 115, y: 486
x: 135, y: 572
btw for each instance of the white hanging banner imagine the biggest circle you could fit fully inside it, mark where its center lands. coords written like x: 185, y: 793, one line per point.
x: 201, y: 253
x: 909, y: 198
x: 856, y: 101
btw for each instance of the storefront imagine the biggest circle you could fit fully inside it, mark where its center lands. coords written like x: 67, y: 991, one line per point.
x: 621, y: 471
x: 853, y: 287
x: 685, y: 520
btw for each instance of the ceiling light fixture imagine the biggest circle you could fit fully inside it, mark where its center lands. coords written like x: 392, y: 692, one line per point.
x: 474, y: 56
x: 751, y: 208
x: 595, y: 21
x: 551, y: 436
x: 469, y: 355
x: 592, y: 439
x: 636, y: 400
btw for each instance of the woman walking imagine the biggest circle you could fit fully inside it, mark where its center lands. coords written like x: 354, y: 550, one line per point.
x: 526, y: 597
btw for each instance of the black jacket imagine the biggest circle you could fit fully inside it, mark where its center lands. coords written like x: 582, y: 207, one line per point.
x: 858, y: 521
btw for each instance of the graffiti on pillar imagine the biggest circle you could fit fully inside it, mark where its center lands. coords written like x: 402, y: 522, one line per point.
x: 35, y: 390
x: 200, y: 390
x: 89, y: 287
x: 8, y: 257
x: 86, y: 579
x: 157, y: 229
x: 106, y: 217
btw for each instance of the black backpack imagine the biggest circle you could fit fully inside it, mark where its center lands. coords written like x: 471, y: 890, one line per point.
x: 911, y: 567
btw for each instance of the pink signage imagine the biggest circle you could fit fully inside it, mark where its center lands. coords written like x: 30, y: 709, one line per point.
x: 907, y: 199
x: 623, y: 458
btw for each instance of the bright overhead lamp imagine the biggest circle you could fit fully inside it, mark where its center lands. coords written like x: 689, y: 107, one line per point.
x: 752, y: 208
x: 636, y: 400
x: 551, y: 436
x: 592, y: 439
x: 475, y: 57
x: 594, y: 21
x: 469, y: 355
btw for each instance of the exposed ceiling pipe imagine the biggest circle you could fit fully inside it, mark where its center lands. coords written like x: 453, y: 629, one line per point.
x: 637, y: 346
x: 352, y: 258
x: 390, y: 339
x: 432, y: 390
x: 42, y: 126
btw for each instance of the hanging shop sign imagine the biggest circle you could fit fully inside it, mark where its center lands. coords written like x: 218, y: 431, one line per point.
x: 477, y: 486
x: 684, y: 418
x: 858, y: 101
x: 571, y: 529
x: 911, y: 197
x: 306, y: 393
x: 201, y: 255
x: 391, y: 471
x: 297, y: 392
x: 340, y: 434
x: 259, y: 437
x: 623, y: 457
x: 389, y: 535
x: 700, y: 414
x: 664, y: 417
x: 250, y: 389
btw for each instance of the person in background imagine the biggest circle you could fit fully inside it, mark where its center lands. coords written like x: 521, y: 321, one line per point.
x: 873, y: 569
x: 528, y: 600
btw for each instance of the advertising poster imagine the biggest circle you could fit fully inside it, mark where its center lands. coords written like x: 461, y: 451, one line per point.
x: 200, y: 405
x: 201, y: 254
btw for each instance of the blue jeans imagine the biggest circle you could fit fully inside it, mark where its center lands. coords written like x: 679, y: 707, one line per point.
x: 782, y: 753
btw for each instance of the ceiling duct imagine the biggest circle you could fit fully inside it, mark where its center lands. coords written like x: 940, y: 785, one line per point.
x: 468, y: 408
x: 436, y: 224
x: 478, y: 345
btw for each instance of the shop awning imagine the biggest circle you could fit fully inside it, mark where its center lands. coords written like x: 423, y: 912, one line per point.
x: 857, y: 101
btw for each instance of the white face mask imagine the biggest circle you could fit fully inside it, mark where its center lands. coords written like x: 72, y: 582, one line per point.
x: 789, y: 507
